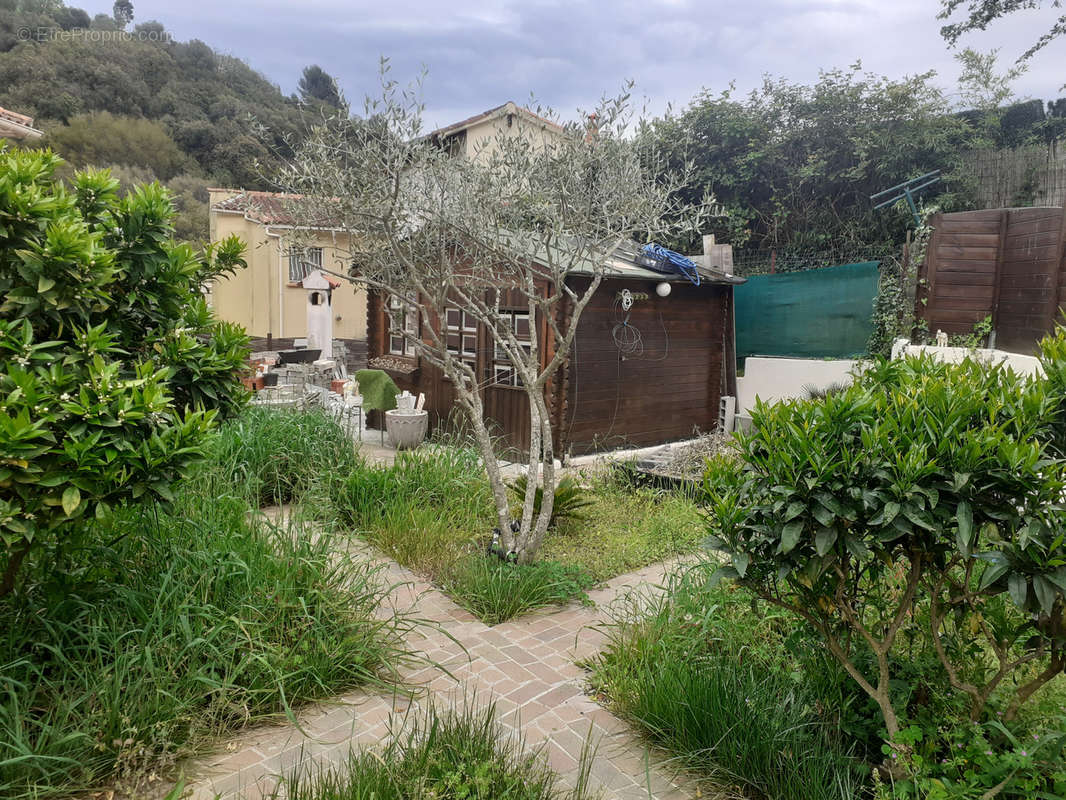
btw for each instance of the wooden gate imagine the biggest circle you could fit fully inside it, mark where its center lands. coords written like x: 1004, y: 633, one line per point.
x: 1006, y: 264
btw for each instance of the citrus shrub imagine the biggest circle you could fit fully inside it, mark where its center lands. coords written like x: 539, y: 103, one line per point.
x: 923, y: 498
x: 112, y: 369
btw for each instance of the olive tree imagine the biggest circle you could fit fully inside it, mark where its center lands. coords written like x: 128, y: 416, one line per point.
x: 112, y: 369
x: 924, y: 497
x: 506, y: 226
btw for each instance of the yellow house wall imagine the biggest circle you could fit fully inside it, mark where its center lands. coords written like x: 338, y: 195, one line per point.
x: 260, y: 298
x: 480, y: 137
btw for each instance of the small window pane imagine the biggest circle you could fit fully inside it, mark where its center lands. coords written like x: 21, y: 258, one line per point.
x: 521, y: 326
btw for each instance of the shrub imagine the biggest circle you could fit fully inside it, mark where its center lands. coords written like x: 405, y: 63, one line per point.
x: 703, y: 675
x: 113, y: 370
x: 922, y: 495
x: 160, y: 631
x: 496, y: 591
x: 570, y: 499
x: 454, y: 755
x: 276, y: 456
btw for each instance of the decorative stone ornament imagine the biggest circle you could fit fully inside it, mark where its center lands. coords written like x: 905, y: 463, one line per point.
x: 319, y: 314
x: 407, y: 429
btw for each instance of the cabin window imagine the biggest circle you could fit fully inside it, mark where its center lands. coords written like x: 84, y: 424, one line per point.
x: 402, y: 312
x: 461, y: 330
x: 503, y: 373
x: 303, y: 261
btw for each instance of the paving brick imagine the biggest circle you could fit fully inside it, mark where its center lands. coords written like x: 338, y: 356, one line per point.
x: 525, y: 667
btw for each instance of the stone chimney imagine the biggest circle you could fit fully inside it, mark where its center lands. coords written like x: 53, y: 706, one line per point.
x: 715, y: 256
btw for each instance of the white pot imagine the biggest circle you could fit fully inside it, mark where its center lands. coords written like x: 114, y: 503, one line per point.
x: 406, y: 429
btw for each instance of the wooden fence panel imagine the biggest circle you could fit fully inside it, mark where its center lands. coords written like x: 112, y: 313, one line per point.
x: 1003, y: 263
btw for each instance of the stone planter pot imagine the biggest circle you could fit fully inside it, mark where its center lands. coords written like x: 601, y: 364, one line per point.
x: 406, y: 430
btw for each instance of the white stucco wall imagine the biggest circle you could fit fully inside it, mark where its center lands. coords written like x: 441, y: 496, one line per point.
x: 1021, y: 364
x: 773, y: 379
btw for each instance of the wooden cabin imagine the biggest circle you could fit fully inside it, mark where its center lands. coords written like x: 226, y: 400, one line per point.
x: 646, y: 376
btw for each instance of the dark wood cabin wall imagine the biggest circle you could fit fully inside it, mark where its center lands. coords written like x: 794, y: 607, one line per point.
x: 506, y: 407
x: 665, y: 394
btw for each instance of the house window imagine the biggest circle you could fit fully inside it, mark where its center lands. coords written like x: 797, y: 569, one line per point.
x: 461, y: 330
x: 302, y: 262
x: 503, y: 372
x: 403, y: 312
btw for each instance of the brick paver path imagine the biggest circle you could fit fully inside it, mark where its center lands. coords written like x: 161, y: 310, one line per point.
x: 526, y: 666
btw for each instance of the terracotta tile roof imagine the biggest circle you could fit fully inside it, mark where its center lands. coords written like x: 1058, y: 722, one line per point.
x: 508, y: 107
x: 17, y: 126
x: 268, y: 208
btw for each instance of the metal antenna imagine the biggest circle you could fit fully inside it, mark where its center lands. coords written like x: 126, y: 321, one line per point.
x: 906, y: 191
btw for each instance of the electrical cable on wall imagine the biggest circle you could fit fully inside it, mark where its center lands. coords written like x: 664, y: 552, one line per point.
x: 627, y: 338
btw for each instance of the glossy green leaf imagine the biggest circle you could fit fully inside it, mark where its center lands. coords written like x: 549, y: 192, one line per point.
x: 1018, y: 586
x: 790, y: 536
x: 71, y: 500
x: 824, y: 540
x: 964, y: 531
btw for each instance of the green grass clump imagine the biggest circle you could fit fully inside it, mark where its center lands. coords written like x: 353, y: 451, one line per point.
x: 433, y: 512
x: 459, y: 755
x: 497, y: 591
x: 428, y: 510
x: 706, y: 678
x: 275, y: 456
x: 624, y: 529
x: 155, y: 633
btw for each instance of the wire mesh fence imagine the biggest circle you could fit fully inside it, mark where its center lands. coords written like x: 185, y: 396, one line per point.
x: 763, y: 262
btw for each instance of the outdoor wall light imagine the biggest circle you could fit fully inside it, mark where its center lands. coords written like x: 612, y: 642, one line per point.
x: 663, y: 289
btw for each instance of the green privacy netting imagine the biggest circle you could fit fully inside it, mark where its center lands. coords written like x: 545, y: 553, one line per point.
x: 819, y: 313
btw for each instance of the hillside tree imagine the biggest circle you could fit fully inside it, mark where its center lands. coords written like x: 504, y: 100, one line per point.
x: 318, y: 86
x: 795, y: 164
x: 122, y: 11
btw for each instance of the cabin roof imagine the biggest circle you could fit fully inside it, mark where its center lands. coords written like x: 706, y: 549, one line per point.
x: 623, y: 263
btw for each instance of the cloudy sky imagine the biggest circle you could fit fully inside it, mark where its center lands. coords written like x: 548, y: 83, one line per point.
x: 569, y: 52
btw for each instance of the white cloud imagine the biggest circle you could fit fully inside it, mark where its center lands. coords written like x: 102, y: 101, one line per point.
x: 481, y: 53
